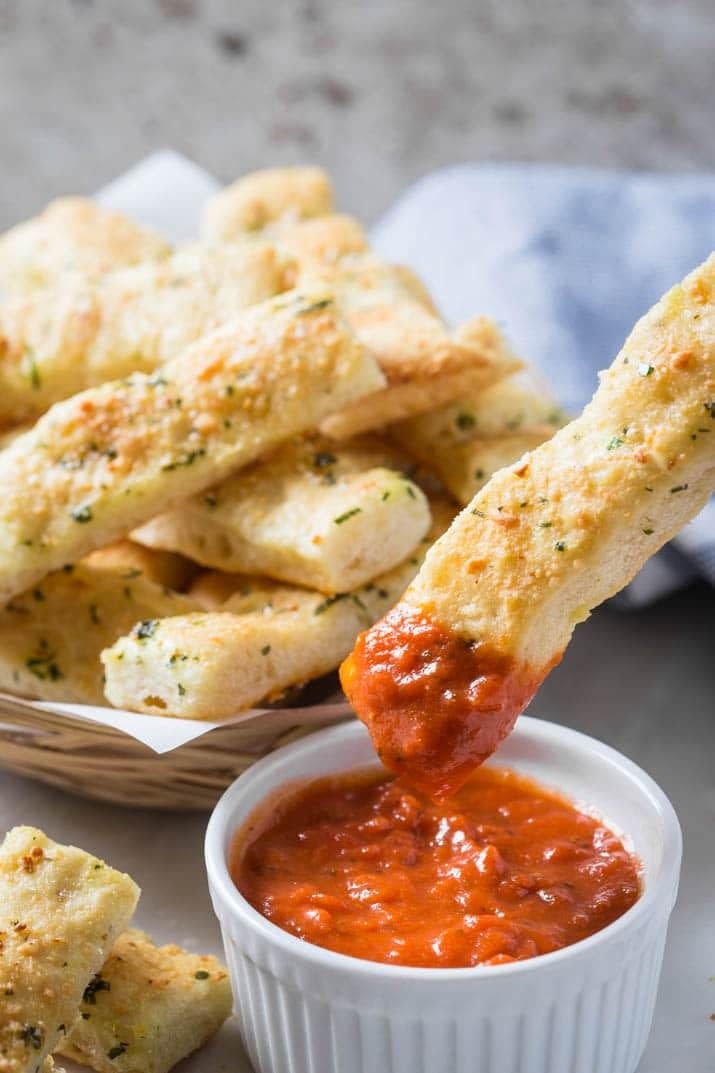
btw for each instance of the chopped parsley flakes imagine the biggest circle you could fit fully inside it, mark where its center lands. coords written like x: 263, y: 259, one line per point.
x: 348, y: 514
x: 82, y: 515
x: 93, y: 988
x: 146, y: 628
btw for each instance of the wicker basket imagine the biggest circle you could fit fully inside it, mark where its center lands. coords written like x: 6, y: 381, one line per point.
x: 103, y: 763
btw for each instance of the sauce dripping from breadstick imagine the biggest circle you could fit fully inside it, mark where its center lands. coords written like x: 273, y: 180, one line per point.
x: 436, y: 705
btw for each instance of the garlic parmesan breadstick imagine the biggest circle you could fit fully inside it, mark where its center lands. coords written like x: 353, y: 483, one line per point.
x: 148, y: 1007
x: 504, y: 409
x: 103, y: 462
x: 71, y: 336
x: 265, y: 199
x: 322, y: 241
x: 326, y: 516
x: 442, y: 678
x: 466, y: 442
x: 61, y: 910
x: 256, y: 639
x: 51, y: 637
x: 73, y: 235
x: 424, y: 364
x: 466, y: 467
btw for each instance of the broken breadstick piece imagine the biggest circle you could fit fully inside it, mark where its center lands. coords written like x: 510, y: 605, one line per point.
x: 147, y: 1008
x: 61, y: 910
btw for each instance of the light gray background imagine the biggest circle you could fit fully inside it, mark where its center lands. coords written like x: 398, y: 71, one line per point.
x: 381, y: 93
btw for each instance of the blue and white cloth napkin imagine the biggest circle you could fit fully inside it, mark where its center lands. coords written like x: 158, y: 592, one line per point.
x: 565, y: 259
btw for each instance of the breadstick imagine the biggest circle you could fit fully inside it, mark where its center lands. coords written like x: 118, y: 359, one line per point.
x: 257, y: 639
x: 61, y: 340
x: 51, y: 637
x: 102, y: 462
x: 61, y: 910
x: 441, y: 680
x: 272, y: 197
x: 424, y: 364
x: 329, y: 517
x: 148, y: 1007
x: 387, y: 307
x: 504, y: 409
x: 73, y: 235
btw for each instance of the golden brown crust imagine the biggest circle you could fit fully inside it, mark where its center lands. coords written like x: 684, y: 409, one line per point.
x: 323, y: 241
x: 73, y: 235
x: 387, y: 306
x: 79, y: 333
x: 439, y: 381
x: 507, y: 407
x: 103, y: 462
x: 261, y: 199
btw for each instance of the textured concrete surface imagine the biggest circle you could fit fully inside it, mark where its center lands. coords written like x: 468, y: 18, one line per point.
x: 379, y: 91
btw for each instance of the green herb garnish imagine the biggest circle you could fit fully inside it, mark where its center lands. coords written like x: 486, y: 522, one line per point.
x: 321, y: 459
x: 348, y: 514
x: 93, y: 988
x: 82, y: 515
x: 146, y: 628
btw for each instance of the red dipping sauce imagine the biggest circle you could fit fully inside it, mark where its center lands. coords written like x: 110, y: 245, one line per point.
x: 504, y: 870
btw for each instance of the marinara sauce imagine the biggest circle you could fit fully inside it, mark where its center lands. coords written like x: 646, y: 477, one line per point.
x: 503, y: 871
x: 436, y: 705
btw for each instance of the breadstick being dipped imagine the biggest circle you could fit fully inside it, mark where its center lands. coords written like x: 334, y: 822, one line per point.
x: 103, y: 462
x: 442, y: 678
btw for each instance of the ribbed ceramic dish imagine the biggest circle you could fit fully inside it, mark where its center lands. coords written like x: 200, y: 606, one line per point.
x: 99, y: 762
x: 584, y: 1009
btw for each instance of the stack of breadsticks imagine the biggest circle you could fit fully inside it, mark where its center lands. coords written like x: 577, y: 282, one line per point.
x: 221, y: 462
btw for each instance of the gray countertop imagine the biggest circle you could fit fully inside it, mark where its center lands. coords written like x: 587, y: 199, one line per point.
x: 380, y: 93
x: 641, y: 681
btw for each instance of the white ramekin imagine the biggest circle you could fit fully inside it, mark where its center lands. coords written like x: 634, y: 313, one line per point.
x: 584, y: 1009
